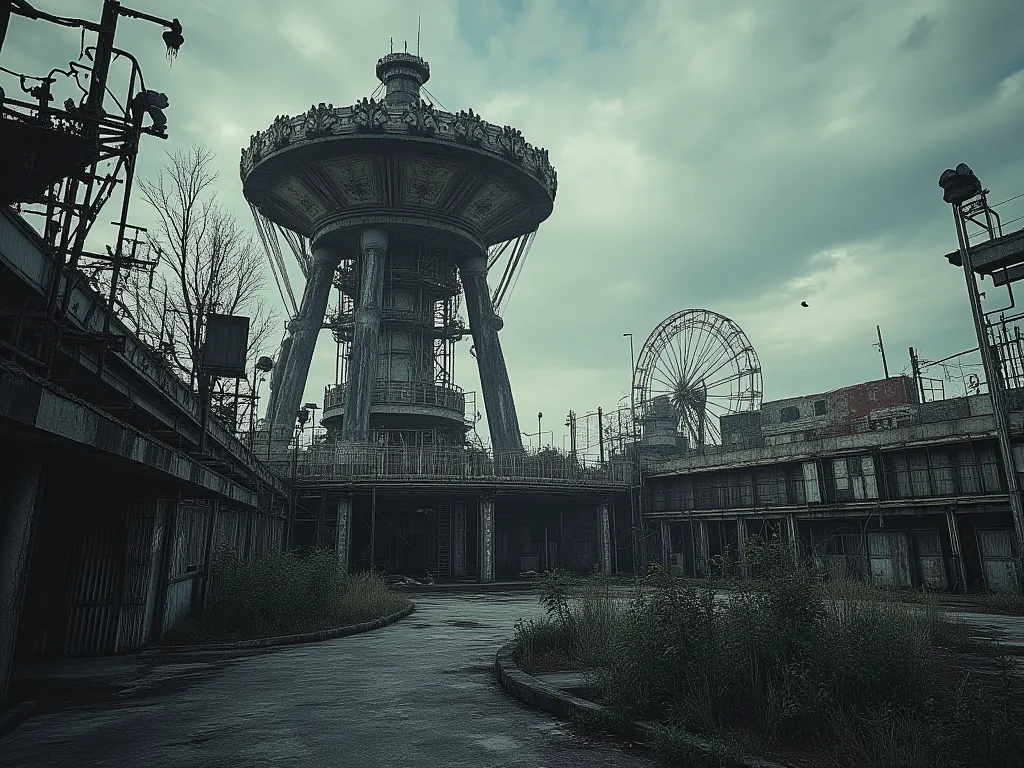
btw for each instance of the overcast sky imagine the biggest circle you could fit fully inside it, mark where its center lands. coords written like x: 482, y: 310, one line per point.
x: 738, y: 156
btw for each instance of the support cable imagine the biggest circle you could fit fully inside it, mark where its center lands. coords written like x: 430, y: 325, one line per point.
x: 298, y: 245
x: 273, y: 249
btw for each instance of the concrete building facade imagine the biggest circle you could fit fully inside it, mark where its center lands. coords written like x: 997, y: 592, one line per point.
x: 864, y: 482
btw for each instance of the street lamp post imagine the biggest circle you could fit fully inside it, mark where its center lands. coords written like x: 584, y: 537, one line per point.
x: 964, y: 192
x: 635, y: 513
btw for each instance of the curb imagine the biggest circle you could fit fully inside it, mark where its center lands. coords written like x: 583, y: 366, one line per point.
x: 268, y: 642
x: 11, y: 717
x: 441, y: 589
x: 529, y: 690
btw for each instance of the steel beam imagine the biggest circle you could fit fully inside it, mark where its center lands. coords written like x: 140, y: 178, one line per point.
x: 484, y: 325
x: 362, y: 368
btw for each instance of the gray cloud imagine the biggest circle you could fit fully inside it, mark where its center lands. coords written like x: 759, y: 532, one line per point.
x: 738, y: 156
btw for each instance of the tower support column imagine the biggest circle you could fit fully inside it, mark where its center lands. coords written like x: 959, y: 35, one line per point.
x: 484, y: 325
x: 343, y: 532
x: 362, y: 368
x: 486, y: 533
x: 304, y: 332
x: 604, y: 537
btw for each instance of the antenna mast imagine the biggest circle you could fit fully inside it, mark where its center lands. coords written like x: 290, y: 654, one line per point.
x: 419, y: 26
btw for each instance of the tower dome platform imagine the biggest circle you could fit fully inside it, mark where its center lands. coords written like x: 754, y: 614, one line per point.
x: 400, y: 202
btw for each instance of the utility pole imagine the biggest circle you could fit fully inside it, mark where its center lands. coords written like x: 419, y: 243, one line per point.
x: 964, y: 192
x: 915, y: 370
x: 881, y: 348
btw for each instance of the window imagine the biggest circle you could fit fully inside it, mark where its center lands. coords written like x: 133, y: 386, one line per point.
x: 789, y: 413
x: 819, y: 407
x: 841, y: 475
x: 811, y: 488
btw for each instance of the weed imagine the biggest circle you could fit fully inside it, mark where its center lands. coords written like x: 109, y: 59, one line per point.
x: 283, y: 593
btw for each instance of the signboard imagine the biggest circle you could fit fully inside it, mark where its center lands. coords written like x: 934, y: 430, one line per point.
x: 225, y: 346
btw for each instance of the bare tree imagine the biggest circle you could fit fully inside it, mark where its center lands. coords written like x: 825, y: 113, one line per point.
x: 207, y: 263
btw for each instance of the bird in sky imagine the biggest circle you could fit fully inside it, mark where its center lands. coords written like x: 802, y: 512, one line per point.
x: 803, y: 303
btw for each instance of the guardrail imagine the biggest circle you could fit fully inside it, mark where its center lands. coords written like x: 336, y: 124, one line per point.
x: 404, y: 393
x: 342, y: 462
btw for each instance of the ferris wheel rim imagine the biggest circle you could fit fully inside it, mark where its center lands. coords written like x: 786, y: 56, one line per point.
x: 714, y: 347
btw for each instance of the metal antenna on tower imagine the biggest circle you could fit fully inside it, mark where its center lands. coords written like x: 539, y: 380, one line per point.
x: 419, y: 26
x: 392, y: 45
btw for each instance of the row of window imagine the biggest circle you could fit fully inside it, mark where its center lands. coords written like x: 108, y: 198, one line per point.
x: 921, y: 473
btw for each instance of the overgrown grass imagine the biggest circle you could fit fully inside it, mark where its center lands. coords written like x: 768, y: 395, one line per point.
x: 844, y: 675
x: 1003, y: 602
x: 283, y: 593
x: 579, y: 628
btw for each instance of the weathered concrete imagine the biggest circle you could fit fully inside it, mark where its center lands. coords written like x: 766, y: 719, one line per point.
x: 502, y: 421
x: 343, y: 531
x: 604, y: 537
x: 486, y: 548
x: 304, y: 332
x: 420, y: 692
x: 29, y: 401
x: 362, y: 367
x: 17, y: 521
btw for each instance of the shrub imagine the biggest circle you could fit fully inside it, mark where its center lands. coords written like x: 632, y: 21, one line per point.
x: 283, y: 593
x: 859, y: 676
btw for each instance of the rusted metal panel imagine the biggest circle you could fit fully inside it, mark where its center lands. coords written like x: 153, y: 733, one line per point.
x: 93, y: 582
x: 931, y: 566
x: 997, y: 562
x: 888, y: 553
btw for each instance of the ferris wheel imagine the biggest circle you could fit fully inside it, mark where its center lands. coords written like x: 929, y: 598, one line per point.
x: 698, y: 365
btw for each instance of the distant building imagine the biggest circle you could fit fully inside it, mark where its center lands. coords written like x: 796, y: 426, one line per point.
x: 865, y: 482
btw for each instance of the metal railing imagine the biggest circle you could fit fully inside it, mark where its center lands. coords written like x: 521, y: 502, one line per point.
x: 346, y: 462
x: 404, y: 392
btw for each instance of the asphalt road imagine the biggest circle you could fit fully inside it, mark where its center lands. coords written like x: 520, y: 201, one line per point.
x: 418, y: 693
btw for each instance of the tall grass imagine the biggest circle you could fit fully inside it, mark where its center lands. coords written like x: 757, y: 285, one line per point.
x: 783, y: 664
x: 283, y: 593
x: 579, y: 627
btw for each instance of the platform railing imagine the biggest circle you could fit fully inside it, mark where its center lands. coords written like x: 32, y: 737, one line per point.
x: 404, y: 392
x: 347, y: 462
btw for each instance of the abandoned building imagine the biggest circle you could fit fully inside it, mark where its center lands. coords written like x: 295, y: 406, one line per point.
x: 866, y: 482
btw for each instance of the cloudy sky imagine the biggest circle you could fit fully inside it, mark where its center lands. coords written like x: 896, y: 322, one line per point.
x: 740, y: 156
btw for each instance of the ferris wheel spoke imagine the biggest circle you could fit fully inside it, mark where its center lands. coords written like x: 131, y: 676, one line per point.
x: 664, y: 368
x: 713, y: 431
x: 702, y: 346
x: 713, y: 364
x: 718, y: 364
x: 706, y: 367
x: 670, y: 387
x: 731, y: 377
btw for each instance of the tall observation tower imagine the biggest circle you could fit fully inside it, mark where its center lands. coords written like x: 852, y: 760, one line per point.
x: 400, y: 202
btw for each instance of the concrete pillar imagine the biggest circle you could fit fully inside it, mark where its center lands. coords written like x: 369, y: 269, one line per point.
x: 957, y: 549
x: 741, y: 551
x: 19, y: 505
x: 701, y: 565
x: 275, y: 376
x: 362, y: 367
x: 604, y: 537
x: 484, y: 325
x: 793, y: 535
x: 458, y: 540
x: 486, y: 536
x: 305, y: 329
x: 666, y: 546
x: 343, y: 533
